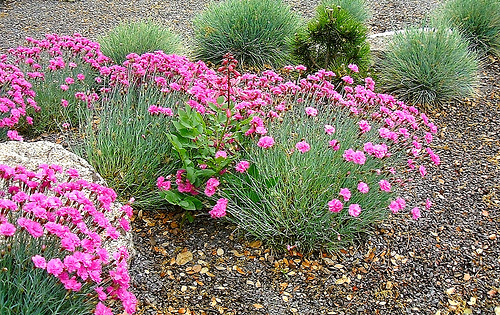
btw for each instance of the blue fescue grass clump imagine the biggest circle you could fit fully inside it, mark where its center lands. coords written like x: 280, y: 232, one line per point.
x: 430, y: 66
x: 128, y: 146
x: 256, y: 32
x: 477, y: 20
x: 139, y: 37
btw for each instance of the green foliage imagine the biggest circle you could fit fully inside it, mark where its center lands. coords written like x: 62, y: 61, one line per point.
x: 358, y: 9
x: 196, y: 139
x: 429, y: 66
x: 26, y: 290
x: 477, y: 20
x: 332, y: 39
x: 282, y: 198
x: 256, y: 32
x: 128, y: 146
x: 139, y: 37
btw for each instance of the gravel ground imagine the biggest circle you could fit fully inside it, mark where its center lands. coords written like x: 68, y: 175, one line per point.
x: 448, y: 262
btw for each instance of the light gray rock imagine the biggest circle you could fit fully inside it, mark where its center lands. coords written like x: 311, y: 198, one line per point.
x: 32, y: 154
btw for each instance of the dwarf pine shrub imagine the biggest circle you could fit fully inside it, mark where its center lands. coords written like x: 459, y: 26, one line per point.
x: 256, y: 32
x: 333, y: 39
x: 429, y: 66
x: 477, y: 20
x: 139, y: 37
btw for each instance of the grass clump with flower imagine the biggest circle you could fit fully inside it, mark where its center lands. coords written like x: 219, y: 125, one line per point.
x: 478, y: 21
x: 257, y: 33
x: 430, y: 66
x: 139, y: 37
x: 53, y: 235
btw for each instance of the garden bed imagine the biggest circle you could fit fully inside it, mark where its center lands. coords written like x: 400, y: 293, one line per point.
x: 447, y: 262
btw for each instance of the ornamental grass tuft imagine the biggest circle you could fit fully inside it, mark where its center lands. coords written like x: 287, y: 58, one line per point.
x: 477, y: 20
x: 429, y: 67
x: 256, y: 32
x: 139, y: 37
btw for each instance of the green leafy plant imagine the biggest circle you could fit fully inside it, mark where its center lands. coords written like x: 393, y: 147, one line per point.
x: 256, y: 32
x: 332, y: 40
x: 139, y: 37
x: 477, y: 20
x: 429, y: 66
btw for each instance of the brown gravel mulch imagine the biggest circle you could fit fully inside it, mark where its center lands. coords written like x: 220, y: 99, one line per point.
x: 447, y: 262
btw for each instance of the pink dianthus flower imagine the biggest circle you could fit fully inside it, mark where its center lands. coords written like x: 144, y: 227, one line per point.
x: 385, y: 185
x: 415, y: 212
x: 329, y: 129
x: 242, y: 166
x: 311, y: 111
x: 363, y: 188
x: 335, y: 205
x: 303, y: 146
x: 354, y: 210
x: 219, y: 210
x: 212, y: 184
x: 346, y: 193
x: 266, y: 142
x: 354, y: 68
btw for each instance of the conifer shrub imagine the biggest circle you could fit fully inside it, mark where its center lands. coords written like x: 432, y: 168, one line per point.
x: 429, y: 66
x: 139, y: 37
x: 257, y: 33
x: 477, y: 20
x: 333, y: 39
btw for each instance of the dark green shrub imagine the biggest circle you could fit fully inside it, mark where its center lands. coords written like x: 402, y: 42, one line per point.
x: 256, y: 32
x: 139, y: 37
x: 333, y: 39
x: 476, y: 20
x: 429, y: 66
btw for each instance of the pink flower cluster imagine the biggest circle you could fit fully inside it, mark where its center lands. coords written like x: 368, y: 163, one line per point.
x: 75, y: 214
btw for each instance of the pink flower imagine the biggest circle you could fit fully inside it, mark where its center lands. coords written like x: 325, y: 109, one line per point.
x: 13, y: 135
x: 396, y: 205
x: 335, y: 205
x: 221, y: 154
x: 7, y: 229
x: 415, y: 212
x: 334, y: 144
x: 242, y: 166
x: 261, y: 130
x: 266, y: 142
x: 300, y: 68
x: 311, y: 111
x: 101, y: 309
x: 353, y: 67
x: 64, y: 103
x: 303, y: 146
x: 80, y: 76
x: 69, y: 80
x: 329, y: 129
x: 39, y: 261
x: 346, y: 193
x: 363, y: 188
x: 55, y: 266
x: 100, y: 293
x: 347, y: 79
x: 64, y: 87
x: 219, y: 210
x: 162, y: 184
x: 422, y: 170
x: 428, y: 204
x: 364, y: 126
x: 354, y: 210
x: 212, y: 184
x: 385, y: 185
